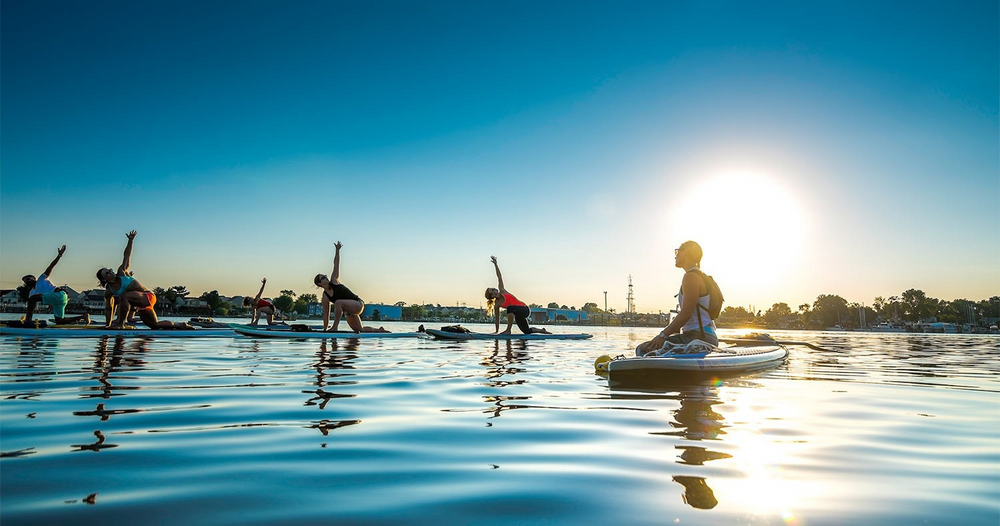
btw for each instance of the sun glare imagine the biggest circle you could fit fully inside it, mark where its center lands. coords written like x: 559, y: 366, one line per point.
x: 750, y: 228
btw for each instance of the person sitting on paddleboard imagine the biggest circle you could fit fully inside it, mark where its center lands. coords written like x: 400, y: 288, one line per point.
x: 261, y: 306
x: 693, y: 321
x: 516, y: 309
x: 41, y: 289
x: 124, y: 292
x: 344, y: 302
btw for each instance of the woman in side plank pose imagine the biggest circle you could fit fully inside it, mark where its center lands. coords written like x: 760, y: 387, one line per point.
x: 123, y: 292
x: 261, y: 306
x: 337, y: 296
x: 516, y: 309
x: 42, y: 290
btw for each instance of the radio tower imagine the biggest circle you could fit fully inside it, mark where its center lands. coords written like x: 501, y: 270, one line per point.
x: 631, y: 300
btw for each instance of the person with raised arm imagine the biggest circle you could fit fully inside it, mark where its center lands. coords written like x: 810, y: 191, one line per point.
x: 339, y: 298
x: 516, y: 309
x: 42, y: 290
x: 693, y: 322
x: 261, y: 306
x: 124, y: 293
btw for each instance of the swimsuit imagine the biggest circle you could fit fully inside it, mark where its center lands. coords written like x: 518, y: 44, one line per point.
x: 126, y: 282
x: 341, y: 292
x: 699, y: 322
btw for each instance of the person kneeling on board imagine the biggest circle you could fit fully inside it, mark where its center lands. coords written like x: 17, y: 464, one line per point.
x: 516, y: 309
x: 42, y: 290
x: 340, y: 299
x: 124, y: 293
x: 261, y: 306
x: 695, y: 320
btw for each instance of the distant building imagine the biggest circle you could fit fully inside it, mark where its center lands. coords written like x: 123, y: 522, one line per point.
x: 92, y: 299
x: 10, y: 298
x: 543, y: 315
x: 195, y: 303
x: 378, y: 311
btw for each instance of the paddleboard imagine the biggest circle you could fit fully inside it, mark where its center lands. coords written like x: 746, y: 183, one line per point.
x: 317, y: 335
x: 718, y: 360
x: 445, y: 335
x: 98, y: 331
x: 266, y: 327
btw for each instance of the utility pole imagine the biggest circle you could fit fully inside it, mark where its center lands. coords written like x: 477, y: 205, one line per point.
x: 631, y: 300
x: 605, y: 313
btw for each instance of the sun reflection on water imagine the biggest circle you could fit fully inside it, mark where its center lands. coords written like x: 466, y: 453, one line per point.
x: 761, y: 455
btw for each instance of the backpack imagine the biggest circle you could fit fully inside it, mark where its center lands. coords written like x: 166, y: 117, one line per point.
x: 715, y: 296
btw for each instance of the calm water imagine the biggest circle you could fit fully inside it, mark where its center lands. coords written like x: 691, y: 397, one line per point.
x: 880, y: 429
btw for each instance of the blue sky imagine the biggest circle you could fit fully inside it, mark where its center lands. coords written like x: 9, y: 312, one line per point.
x: 574, y: 140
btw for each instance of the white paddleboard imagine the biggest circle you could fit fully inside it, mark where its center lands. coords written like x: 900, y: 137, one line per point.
x: 731, y: 359
x: 318, y: 335
x: 101, y: 332
x: 445, y: 335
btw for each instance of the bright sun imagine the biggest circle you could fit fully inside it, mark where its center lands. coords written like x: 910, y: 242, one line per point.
x: 750, y: 228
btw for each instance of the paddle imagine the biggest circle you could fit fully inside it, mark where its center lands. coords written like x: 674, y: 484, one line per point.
x: 747, y: 341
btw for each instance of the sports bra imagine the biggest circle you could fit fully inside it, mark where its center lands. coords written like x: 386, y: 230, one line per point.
x: 126, y: 281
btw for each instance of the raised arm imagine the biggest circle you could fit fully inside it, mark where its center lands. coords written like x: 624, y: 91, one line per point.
x: 335, y: 275
x: 499, y: 276
x: 263, y: 283
x: 127, y: 257
x: 48, y: 270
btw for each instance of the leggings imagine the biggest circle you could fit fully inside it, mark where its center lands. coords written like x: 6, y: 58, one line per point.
x: 521, y: 313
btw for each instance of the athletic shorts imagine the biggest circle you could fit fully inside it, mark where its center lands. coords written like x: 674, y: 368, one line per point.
x: 58, y: 300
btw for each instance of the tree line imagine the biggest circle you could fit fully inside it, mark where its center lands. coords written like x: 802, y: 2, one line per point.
x: 912, y: 306
x: 288, y: 301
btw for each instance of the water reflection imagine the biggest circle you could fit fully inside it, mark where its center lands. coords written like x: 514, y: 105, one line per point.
x: 696, y: 494
x: 333, y: 361
x: 109, y: 359
x: 501, y: 365
x: 333, y: 364
x: 694, y: 420
x: 34, y: 354
x: 96, y: 446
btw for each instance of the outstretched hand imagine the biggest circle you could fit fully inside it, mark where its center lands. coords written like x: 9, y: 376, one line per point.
x: 337, y: 245
x: 131, y: 235
x: 61, y: 250
x: 493, y: 259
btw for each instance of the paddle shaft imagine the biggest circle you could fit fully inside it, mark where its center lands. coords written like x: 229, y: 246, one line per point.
x: 765, y: 342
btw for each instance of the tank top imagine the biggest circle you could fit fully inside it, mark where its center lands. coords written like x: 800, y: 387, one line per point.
x: 509, y: 300
x: 699, y: 318
x: 126, y: 281
x: 264, y: 303
x: 341, y: 292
